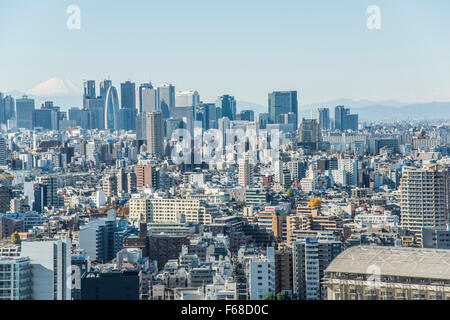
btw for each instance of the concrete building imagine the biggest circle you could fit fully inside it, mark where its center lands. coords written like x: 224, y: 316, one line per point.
x: 15, y: 278
x: 261, y: 275
x: 436, y: 238
x: 389, y: 273
x: 424, y: 198
x: 50, y: 268
x: 168, y: 210
x: 97, y: 239
x: 245, y: 177
x: 311, y: 256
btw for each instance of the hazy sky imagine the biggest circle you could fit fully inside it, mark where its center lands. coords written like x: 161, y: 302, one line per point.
x: 321, y: 48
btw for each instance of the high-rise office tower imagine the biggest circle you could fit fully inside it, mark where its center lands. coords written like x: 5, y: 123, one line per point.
x: 247, y: 115
x: 340, y: 116
x: 96, y: 109
x: 323, y: 115
x: 154, y: 133
x: 81, y: 117
x: 281, y: 103
x: 245, y: 177
x: 167, y: 99
x: 189, y: 98
x: 24, y: 112
x: 51, y: 268
x: 89, y: 90
x: 7, y: 109
x: 104, y: 87
x: 148, y: 98
x: 343, y: 120
x: 224, y: 128
x: 424, y: 198
x: 227, y: 105
x: 127, y: 119
x: 352, y: 122
x: 112, y: 109
x: 46, y: 117
x: 128, y: 95
x: 309, y: 133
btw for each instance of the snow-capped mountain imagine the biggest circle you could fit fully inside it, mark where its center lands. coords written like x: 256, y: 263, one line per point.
x: 55, y: 87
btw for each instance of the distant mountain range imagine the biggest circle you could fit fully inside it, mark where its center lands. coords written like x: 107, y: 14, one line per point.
x: 67, y: 95
x: 370, y: 110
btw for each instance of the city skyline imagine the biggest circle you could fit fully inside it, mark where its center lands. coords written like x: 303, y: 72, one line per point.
x: 264, y: 47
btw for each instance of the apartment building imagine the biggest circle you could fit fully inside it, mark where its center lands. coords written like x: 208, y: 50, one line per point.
x: 424, y: 198
x: 169, y: 210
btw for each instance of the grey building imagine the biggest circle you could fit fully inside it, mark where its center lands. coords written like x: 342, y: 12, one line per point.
x: 281, y: 103
x: 166, y: 95
x: 436, y: 238
x: 24, y: 112
x: 323, y: 115
x: 227, y: 105
x: 128, y: 95
x: 311, y: 256
x: 97, y: 238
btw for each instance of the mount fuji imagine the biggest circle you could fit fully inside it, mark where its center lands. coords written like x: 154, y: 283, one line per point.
x: 55, y: 87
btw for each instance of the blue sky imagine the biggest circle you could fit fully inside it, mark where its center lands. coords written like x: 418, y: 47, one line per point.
x: 321, y: 48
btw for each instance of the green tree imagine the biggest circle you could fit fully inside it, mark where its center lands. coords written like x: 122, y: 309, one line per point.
x: 283, y: 296
x: 270, y: 296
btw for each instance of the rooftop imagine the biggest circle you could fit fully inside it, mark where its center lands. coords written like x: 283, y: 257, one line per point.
x: 402, y: 262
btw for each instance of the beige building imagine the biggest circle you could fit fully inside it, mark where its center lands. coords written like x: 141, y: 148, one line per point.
x: 424, y: 197
x: 389, y: 273
x: 168, y: 210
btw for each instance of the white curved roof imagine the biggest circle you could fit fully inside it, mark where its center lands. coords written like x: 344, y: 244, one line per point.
x: 394, y: 261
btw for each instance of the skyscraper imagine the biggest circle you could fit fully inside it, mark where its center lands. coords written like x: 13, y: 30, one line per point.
x: 148, y: 98
x: 128, y: 95
x: 154, y: 133
x: 281, y: 103
x: 24, y: 112
x: 104, y: 87
x: 339, y: 118
x: 167, y: 99
x: 227, y: 105
x: 112, y: 109
x: 189, y: 98
x: 343, y: 120
x: 309, y: 133
x: 324, y: 118
x: 7, y: 109
x: 89, y: 90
